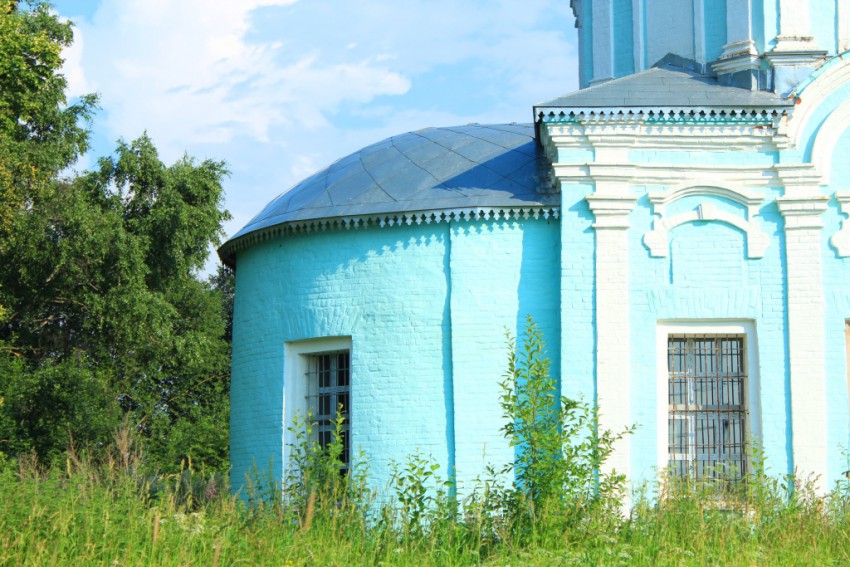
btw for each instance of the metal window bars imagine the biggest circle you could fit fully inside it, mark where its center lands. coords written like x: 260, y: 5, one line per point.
x: 707, y: 407
x: 329, y: 396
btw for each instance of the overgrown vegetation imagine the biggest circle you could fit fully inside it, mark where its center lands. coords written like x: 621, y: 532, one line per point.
x: 111, y: 510
x: 102, y: 311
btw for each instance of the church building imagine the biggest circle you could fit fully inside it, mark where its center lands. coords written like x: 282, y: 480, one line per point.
x: 678, y: 229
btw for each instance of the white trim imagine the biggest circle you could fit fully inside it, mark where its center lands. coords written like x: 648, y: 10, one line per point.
x: 295, y: 367
x: 665, y: 328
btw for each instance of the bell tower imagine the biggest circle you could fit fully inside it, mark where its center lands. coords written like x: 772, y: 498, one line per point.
x: 767, y: 45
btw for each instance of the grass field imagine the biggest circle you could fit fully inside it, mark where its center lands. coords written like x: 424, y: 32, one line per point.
x: 110, y: 513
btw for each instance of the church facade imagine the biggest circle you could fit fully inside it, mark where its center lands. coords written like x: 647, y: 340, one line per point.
x: 677, y: 228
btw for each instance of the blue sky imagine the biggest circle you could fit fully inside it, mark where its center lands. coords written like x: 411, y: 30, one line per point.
x: 281, y: 88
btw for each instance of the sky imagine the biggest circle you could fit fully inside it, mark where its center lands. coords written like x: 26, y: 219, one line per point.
x: 279, y: 89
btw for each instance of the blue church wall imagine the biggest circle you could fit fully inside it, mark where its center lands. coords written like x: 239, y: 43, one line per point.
x: 624, y: 60
x: 708, y: 277
x: 836, y: 282
x: 578, y: 320
x: 674, y: 21
x: 822, y: 20
x: 714, y: 23
x: 500, y: 273
x: 425, y: 308
x: 386, y: 289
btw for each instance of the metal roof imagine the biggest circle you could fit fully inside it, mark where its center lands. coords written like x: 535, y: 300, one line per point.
x: 473, y: 166
x: 666, y: 86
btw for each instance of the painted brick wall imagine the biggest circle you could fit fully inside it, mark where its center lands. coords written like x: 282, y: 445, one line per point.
x: 836, y: 282
x: 384, y: 288
x: 500, y: 273
x: 426, y: 309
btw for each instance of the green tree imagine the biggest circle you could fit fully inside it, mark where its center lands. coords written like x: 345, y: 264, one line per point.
x: 560, y: 447
x: 105, y: 312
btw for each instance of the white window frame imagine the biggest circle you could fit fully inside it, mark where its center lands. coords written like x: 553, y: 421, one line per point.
x: 752, y: 428
x: 296, y: 365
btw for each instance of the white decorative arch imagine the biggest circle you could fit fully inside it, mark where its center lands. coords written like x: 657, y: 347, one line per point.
x: 827, y: 137
x: 657, y: 239
x: 827, y: 79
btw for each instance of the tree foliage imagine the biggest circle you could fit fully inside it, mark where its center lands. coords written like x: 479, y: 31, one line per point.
x: 104, y: 313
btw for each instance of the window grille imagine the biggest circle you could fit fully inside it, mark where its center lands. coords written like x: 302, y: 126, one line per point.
x: 707, y: 406
x: 329, y: 387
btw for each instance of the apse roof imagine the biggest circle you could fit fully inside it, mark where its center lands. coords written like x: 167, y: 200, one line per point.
x: 666, y: 86
x: 470, y: 166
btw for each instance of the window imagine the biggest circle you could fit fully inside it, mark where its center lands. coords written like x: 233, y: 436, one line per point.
x: 706, y: 406
x: 707, y: 398
x: 328, y: 384
x: 317, y: 377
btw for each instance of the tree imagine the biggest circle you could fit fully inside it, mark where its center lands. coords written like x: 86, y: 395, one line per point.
x: 40, y: 135
x: 104, y: 311
x: 560, y: 447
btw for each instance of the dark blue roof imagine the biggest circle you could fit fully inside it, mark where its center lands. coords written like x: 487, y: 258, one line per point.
x: 471, y: 166
x: 667, y: 87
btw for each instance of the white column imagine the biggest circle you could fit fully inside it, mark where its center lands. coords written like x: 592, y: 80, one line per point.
x: 739, y: 53
x: 802, y: 206
x: 602, y: 20
x: 611, y: 207
x: 794, y: 29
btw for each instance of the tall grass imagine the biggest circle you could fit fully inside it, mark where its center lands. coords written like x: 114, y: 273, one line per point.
x: 110, y: 510
x: 557, y: 508
x: 106, y: 512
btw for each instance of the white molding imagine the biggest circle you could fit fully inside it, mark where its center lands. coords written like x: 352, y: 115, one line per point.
x: 806, y: 334
x: 611, y: 207
x: 656, y: 240
x: 663, y: 174
x: 705, y: 326
x: 840, y: 241
x: 295, y: 387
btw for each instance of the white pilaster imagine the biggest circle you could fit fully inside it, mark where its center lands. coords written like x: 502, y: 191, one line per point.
x: 611, y: 204
x: 603, y: 41
x: 794, y: 28
x: 802, y: 206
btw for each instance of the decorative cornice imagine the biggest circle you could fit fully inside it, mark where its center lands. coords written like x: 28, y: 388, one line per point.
x: 802, y: 213
x: 655, y: 115
x: 229, y: 250
x: 611, y: 209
